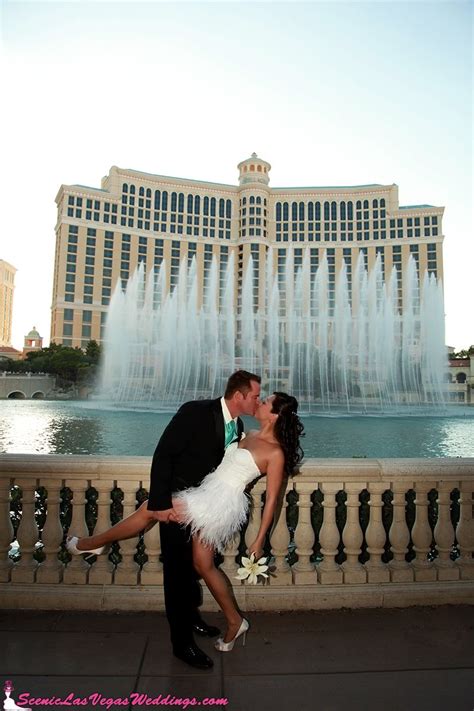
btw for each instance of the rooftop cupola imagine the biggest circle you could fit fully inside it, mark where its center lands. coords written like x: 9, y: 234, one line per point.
x: 254, y: 170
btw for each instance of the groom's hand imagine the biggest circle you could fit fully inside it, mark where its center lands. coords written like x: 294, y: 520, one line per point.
x: 165, y: 516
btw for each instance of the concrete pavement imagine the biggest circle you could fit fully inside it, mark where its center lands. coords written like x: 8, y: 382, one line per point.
x: 408, y: 659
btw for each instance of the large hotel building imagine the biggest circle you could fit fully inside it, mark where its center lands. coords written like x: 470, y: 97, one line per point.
x: 103, y: 234
x: 7, y: 288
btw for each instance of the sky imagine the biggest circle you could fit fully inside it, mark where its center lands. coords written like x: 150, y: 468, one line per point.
x: 330, y: 93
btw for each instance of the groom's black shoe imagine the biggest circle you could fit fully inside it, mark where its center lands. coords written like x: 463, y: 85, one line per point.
x: 195, y: 657
x: 204, y: 630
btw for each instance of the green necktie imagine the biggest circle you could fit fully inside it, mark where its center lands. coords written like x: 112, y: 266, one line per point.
x: 230, y: 433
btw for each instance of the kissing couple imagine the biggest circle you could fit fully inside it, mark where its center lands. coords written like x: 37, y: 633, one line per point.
x: 201, y: 467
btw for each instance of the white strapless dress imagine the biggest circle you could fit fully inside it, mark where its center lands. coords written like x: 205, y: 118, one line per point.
x: 217, y: 508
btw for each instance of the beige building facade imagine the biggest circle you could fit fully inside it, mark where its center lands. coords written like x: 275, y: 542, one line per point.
x: 103, y: 234
x: 7, y: 287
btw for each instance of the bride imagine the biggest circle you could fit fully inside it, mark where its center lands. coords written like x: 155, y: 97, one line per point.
x: 217, y: 508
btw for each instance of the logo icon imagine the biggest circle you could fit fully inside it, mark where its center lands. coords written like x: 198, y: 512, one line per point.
x: 9, y: 704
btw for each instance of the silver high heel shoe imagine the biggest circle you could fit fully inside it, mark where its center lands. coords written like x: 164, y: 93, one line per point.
x: 71, y: 545
x: 222, y: 646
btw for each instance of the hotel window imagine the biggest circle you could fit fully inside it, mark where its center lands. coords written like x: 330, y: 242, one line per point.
x: 414, y: 251
x: 191, y: 252
x: 380, y: 251
x: 207, y: 265
x: 331, y: 260
x: 397, y: 263
x: 175, y: 259
x: 364, y: 252
x: 224, y: 259
x: 432, y: 263
x: 67, y: 329
x: 68, y: 314
x: 347, y: 259
x: 281, y: 267
x: 158, y: 258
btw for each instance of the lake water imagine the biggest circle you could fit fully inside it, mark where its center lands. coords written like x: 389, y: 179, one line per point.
x: 52, y: 427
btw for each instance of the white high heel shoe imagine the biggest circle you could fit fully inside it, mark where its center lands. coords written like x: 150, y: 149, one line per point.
x: 222, y: 646
x: 71, y: 545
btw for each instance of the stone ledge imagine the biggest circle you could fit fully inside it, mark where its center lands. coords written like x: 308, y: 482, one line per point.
x: 269, y: 598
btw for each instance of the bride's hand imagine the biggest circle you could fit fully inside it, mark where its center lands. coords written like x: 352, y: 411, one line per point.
x: 165, y: 516
x: 256, y: 548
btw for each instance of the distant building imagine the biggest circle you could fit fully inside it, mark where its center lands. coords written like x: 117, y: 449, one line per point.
x: 7, y: 286
x: 32, y: 342
x: 9, y: 353
x: 103, y: 234
x: 461, y: 380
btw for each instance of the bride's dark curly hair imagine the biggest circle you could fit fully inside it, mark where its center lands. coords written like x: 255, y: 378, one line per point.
x: 288, y: 429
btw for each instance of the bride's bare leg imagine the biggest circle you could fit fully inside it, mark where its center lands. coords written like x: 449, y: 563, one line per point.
x: 203, y: 559
x: 128, y: 528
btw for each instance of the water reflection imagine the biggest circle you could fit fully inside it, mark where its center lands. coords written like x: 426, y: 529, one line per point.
x: 42, y: 427
x: 49, y: 428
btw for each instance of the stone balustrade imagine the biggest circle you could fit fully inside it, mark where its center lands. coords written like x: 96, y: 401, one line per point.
x: 349, y: 532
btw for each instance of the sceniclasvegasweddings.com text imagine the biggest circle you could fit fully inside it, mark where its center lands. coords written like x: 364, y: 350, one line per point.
x: 134, y: 699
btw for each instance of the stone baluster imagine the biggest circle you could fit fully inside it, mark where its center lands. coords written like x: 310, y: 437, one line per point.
x: 51, y: 569
x: 421, y: 534
x: 377, y: 571
x: 128, y: 570
x: 255, y: 514
x: 228, y: 565
x: 444, y: 533
x: 304, y: 570
x: 6, y: 531
x: 152, y: 571
x: 101, y: 573
x: 353, y: 537
x: 329, y: 572
x: 399, y: 535
x: 465, y: 531
x: 280, y: 540
x: 25, y: 570
x: 77, y: 569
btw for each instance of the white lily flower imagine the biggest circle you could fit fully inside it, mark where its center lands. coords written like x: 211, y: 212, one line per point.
x: 252, y: 569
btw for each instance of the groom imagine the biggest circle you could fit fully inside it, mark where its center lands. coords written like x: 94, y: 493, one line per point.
x: 191, y: 446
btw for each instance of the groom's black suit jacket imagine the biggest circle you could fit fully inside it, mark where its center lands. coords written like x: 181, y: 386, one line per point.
x: 191, y: 446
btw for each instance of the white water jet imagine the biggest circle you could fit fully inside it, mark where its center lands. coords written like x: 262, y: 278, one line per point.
x: 348, y: 348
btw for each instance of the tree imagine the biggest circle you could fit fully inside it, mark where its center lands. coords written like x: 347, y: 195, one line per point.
x: 93, y: 352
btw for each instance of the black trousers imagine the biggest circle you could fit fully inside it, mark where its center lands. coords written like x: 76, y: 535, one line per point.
x: 183, y: 593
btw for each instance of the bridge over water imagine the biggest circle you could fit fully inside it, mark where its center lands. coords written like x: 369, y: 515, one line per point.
x: 27, y: 386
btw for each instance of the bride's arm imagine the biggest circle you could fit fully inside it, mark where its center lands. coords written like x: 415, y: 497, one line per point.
x: 274, y: 482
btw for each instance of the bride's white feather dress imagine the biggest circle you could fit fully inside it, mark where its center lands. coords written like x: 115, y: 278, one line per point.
x: 218, y: 507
